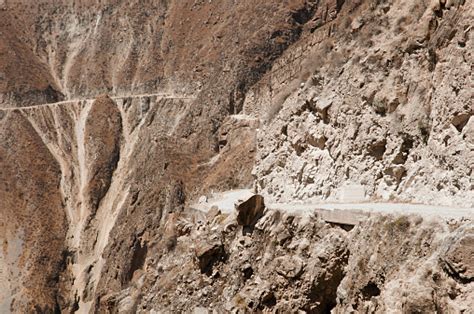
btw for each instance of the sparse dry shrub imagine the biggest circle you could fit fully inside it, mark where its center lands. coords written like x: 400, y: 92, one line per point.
x: 170, y: 236
x: 347, y: 21
x: 280, y: 98
x: 239, y: 302
x: 361, y: 265
x: 314, y: 62
x: 170, y: 242
x: 402, y: 223
x: 424, y: 128
x: 276, y: 105
x: 399, y: 225
x: 304, y: 75
x: 337, y: 60
x: 380, y: 106
x: 326, y: 46
x: 400, y: 25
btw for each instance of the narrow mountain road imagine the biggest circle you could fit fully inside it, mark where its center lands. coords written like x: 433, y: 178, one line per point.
x: 383, y: 208
x: 349, y: 213
x: 65, y: 102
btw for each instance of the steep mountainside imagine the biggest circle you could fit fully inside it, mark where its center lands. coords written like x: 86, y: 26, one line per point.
x: 117, y: 117
x: 384, y: 101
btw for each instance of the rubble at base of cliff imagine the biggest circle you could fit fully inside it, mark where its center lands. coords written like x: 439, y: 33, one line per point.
x: 297, y: 263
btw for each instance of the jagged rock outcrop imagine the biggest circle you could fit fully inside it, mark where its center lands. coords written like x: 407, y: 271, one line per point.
x: 249, y: 211
x: 381, y: 101
x: 399, y: 264
x: 297, y: 262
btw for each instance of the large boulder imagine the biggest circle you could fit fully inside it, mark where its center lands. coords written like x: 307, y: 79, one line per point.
x: 250, y: 211
x: 289, y: 266
x: 209, y: 254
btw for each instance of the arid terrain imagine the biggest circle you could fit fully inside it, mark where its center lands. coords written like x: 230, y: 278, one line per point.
x: 204, y: 156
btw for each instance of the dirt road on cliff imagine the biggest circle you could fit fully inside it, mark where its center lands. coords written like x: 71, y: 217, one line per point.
x: 225, y: 201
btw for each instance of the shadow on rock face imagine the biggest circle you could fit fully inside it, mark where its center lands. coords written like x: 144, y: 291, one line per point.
x: 210, y: 254
x: 249, y: 212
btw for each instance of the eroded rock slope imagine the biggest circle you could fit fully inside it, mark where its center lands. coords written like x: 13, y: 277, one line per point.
x: 289, y: 263
x: 384, y: 101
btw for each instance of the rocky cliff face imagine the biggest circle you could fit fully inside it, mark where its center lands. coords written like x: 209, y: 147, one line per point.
x: 383, y: 101
x: 115, y: 117
x: 91, y: 175
x: 290, y: 263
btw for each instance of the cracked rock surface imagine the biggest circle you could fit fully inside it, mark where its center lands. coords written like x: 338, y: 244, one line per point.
x: 385, y: 102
